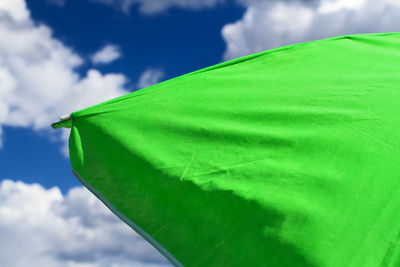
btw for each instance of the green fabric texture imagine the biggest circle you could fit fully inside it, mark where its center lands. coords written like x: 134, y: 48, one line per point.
x: 288, y: 157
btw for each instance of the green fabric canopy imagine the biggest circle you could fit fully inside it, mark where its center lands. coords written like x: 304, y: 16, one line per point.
x: 288, y: 157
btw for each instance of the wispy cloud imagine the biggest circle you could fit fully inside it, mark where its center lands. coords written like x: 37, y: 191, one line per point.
x: 42, y: 227
x: 159, y: 6
x: 59, y: 3
x: 106, y: 55
x: 149, y: 77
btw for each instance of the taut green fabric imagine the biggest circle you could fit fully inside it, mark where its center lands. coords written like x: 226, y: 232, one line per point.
x: 289, y: 157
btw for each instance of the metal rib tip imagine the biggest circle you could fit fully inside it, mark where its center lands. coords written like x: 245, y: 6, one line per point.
x: 65, y: 117
x: 64, y: 122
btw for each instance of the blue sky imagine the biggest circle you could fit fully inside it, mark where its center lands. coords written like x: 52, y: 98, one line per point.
x: 58, y: 56
x: 176, y: 42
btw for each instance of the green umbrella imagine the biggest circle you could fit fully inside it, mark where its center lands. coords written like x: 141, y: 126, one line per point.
x: 288, y: 157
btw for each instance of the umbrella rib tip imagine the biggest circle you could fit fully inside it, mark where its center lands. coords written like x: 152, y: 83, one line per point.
x: 65, y: 117
x: 64, y: 122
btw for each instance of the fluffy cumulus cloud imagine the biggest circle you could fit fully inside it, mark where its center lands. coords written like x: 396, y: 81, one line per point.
x: 106, y: 55
x: 157, y: 6
x: 270, y: 24
x: 149, y: 77
x: 41, y: 227
x: 38, y: 77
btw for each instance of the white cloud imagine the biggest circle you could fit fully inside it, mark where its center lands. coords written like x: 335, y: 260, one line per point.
x: 149, y: 77
x: 270, y: 24
x: 329, y: 6
x: 41, y: 227
x: 157, y: 6
x: 106, y: 55
x: 38, y: 77
x: 15, y: 9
